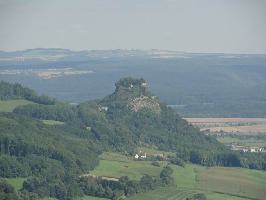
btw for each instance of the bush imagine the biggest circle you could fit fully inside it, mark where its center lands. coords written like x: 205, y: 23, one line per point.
x: 156, y: 163
x: 197, y: 197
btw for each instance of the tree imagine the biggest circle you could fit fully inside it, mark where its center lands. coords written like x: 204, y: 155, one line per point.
x: 146, y: 183
x: 7, y: 192
x: 165, y: 175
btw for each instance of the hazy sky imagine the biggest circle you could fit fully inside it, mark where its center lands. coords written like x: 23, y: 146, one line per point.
x: 237, y: 26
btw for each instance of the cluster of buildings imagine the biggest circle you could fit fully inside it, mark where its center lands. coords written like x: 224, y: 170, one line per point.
x: 140, y: 155
x: 103, y: 108
x: 143, y: 155
x: 247, y: 149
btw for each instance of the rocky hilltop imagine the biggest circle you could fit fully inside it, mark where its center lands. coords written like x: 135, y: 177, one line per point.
x: 135, y: 95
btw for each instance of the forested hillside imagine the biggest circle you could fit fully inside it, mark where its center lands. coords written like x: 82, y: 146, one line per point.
x: 53, y: 158
x: 16, y: 91
x: 129, y: 117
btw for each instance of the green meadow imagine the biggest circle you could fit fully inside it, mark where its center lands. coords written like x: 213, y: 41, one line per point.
x: 248, y: 141
x: 116, y: 165
x: 164, y: 193
x: 52, y: 122
x: 90, y: 198
x: 173, y: 193
x: 236, y: 181
x: 220, y: 196
x: 217, y: 183
x: 16, y: 182
x: 10, y: 105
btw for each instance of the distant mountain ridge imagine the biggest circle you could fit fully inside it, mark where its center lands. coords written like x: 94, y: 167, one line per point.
x: 152, y: 53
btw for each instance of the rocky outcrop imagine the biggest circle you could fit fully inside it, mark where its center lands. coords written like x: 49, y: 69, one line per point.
x: 144, y: 102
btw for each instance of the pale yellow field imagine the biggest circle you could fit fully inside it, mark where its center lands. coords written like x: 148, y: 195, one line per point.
x: 230, y: 125
x: 226, y: 120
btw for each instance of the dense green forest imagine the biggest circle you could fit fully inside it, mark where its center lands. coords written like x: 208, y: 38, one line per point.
x: 16, y: 91
x: 54, y: 157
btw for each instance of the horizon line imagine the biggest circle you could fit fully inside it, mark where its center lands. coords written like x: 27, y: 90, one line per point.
x: 127, y: 49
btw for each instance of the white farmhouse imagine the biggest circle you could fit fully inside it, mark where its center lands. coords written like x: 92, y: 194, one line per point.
x: 144, y: 84
x: 103, y: 108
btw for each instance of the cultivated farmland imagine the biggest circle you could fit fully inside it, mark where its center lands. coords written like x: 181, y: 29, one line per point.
x: 230, y: 125
x: 246, y: 132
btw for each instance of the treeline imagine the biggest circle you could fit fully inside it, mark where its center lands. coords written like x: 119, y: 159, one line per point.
x: 59, y: 112
x: 124, y: 187
x: 71, y: 186
x: 225, y: 158
x: 16, y: 91
x: 7, y: 191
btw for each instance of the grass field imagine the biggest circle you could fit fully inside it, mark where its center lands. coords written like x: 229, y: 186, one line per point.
x: 237, y: 181
x: 52, y: 122
x: 219, y: 196
x: 164, y: 193
x: 90, y: 198
x: 248, y: 141
x: 173, y: 193
x: 16, y: 182
x: 10, y: 105
x: 116, y: 165
x: 186, y: 176
x: 217, y: 183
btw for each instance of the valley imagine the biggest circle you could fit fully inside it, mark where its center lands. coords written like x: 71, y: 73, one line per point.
x: 177, y: 78
x: 216, y: 182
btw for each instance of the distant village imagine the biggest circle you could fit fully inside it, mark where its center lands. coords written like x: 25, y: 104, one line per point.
x: 235, y: 147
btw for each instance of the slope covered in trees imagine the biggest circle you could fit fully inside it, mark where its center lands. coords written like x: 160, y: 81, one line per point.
x: 16, y: 91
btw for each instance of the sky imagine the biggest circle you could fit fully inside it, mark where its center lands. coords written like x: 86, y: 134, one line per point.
x: 225, y: 26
